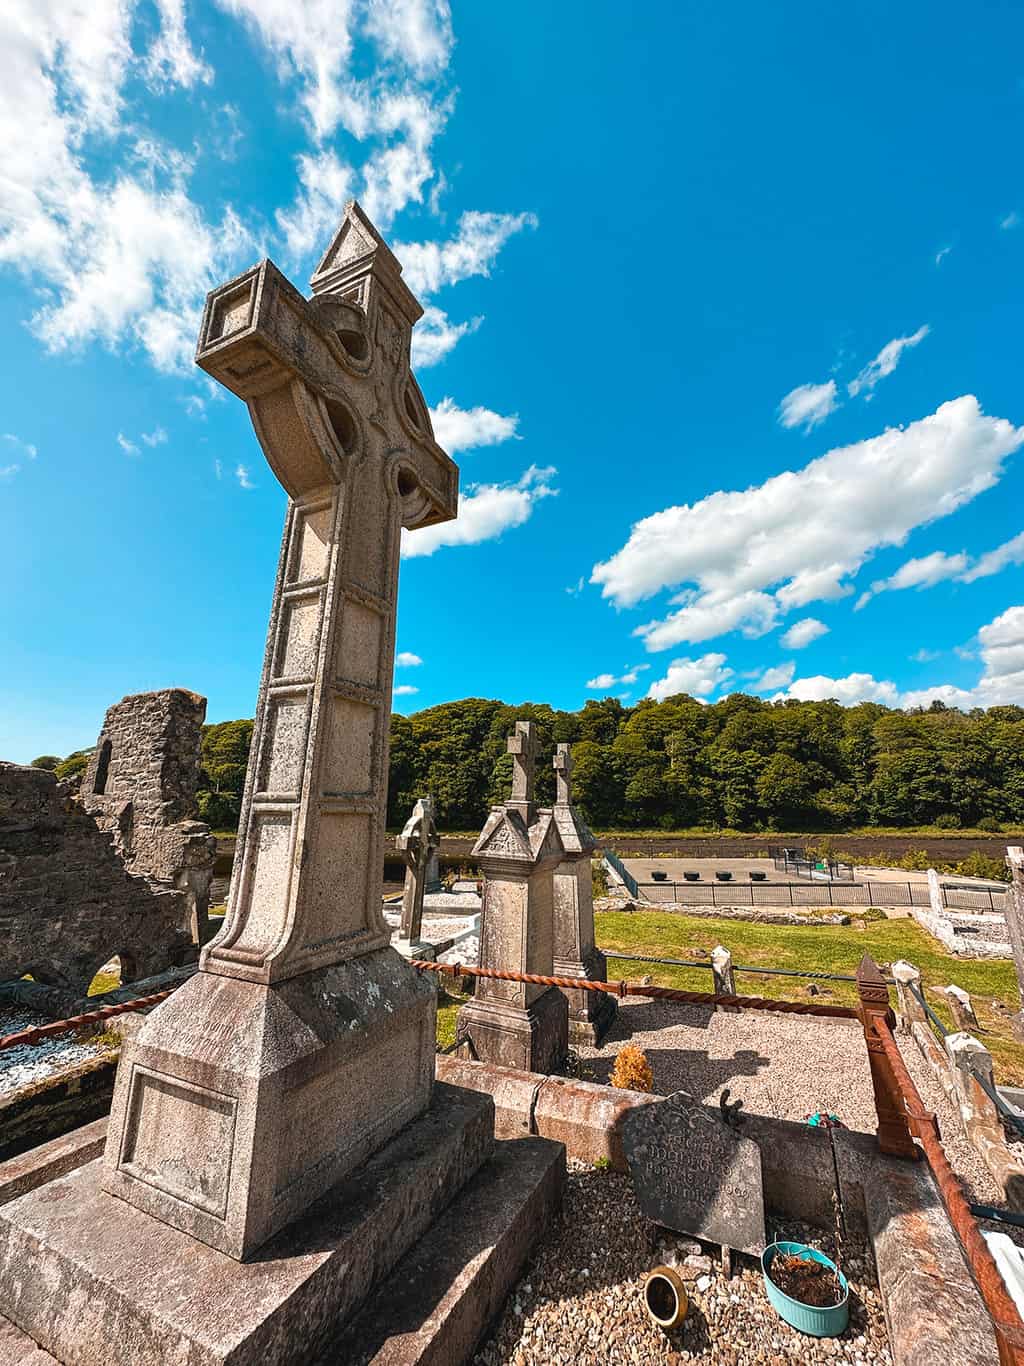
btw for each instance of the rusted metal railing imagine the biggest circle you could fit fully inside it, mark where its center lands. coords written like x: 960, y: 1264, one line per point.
x: 697, y: 998
x: 902, y: 1118
x: 79, y: 1021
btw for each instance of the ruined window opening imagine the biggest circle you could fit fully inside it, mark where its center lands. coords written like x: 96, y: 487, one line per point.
x: 99, y: 787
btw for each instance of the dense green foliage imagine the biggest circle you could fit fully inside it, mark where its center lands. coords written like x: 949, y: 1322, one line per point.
x: 74, y: 764
x: 48, y: 761
x: 741, y: 764
x: 225, y: 754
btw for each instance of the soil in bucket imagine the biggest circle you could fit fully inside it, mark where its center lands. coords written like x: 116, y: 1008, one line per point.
x: 806, y: 1281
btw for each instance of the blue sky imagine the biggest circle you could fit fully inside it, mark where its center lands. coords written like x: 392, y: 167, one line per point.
x: 722, y: 330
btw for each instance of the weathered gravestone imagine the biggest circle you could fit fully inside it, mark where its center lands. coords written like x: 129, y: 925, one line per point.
x: 418, y: 846
x: 517, y: 1024
x: 591, y: 1013
x: 695, y: 1174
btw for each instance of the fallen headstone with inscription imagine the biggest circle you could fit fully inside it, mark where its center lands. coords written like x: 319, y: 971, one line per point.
x: 694, y: 1173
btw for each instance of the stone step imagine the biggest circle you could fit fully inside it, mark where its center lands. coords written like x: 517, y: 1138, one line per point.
x: 441, y: 1297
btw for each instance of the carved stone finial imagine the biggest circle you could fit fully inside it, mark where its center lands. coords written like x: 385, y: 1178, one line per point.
x: 563, y: 775
x: 522, y: 745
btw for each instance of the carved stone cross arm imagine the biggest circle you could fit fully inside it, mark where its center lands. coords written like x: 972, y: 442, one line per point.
x: 522, y: 745
x: 563, y: 775
x: 345, y: 429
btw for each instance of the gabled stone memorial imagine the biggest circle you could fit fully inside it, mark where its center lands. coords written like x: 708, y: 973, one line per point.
x: 517, y: 1024
x: 576, y: 954
x: 276, y: 1143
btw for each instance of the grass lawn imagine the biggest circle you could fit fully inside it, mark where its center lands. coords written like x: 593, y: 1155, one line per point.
x: 819, y: 948
x: 448, y: 1003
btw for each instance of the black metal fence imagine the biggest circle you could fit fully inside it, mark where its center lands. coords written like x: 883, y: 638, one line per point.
x: 795, y: 860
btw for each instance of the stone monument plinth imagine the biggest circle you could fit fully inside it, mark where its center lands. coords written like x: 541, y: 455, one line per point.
x: 517, y: 1024
x: 591, y: 1013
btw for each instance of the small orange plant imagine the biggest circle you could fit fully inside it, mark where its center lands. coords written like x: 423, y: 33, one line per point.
x: 632, y: 1071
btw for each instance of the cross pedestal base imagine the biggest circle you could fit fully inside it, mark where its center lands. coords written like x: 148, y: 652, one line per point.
x: 534, y: 1038
x: 238, y: 1104
x: 591, y: 1013
x: 94, y: 1280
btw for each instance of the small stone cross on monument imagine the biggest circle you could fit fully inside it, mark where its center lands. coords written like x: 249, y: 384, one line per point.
x: 522, y: 745
x: 563, y: 775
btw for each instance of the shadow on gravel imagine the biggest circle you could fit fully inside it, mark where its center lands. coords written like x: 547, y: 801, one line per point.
x: 689, y: 1069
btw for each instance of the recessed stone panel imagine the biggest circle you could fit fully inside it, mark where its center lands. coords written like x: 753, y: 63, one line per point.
x: 231, y: 312
x: 348, y: 762
x: 298, y: 638
x: 284, y: 746
x: 161, y: 1110
x: 358, y: 652
x: 337, y: 879
x: 267, y: 883
x: 310, y: 551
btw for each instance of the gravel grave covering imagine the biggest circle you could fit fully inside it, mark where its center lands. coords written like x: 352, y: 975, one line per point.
x: 27, y: 1063
x: 581, y: 1297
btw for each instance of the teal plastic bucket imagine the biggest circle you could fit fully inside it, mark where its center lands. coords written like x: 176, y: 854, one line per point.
x: 807, y: 1318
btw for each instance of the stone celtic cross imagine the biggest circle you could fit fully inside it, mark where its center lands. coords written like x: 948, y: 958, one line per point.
x: 257, y: 1085
x: 417, y: 844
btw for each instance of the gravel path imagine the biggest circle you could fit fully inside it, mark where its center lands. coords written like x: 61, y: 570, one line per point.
x: 783, y: 1065
x: 581, y: 1298
x: 27, y: 1063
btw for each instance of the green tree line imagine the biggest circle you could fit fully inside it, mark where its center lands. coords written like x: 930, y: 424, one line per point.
x: 741, y: 763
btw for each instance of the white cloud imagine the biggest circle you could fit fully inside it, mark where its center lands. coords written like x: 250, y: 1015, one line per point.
x: 698, y: 677
x: 929, y: 570
x: 9, y: 471
x: 941, y: 255
x: 404, y: 690
x: 923, y: 572
x: 129, y: 447
x: 242, y: 475
x: 461, y: 429
x: 171, y: 60
x: 575, y: 589
x: 1000, y: 645
x: 1010, y: 220
x: 808, y: 405
x: 326, y: 184
x: 803, y: 532
x: 485, y: 511
x: 884, y: 363
x: 779, y: 676
x: 605, y: 681
x: 801, y: 633
x: 428, y: 266
x: 157, y: 437
x: 849, y: 691
x: 417, y: 32
x: 435, y: 335
x: 405, y: 659
x: 994, y: 561
x: 195, y: 406
x: 117, y: 256
x: 24, y: 448
x: 924, y: 656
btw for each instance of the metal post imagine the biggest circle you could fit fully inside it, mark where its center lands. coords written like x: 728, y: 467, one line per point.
x: 894, y: 1136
